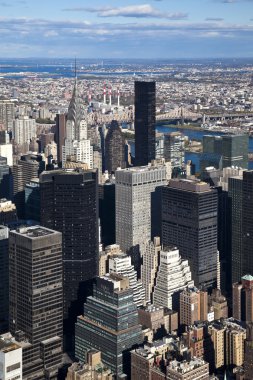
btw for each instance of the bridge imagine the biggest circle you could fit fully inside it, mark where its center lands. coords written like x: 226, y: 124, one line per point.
x: 179, y: 113
x: 127, y: 116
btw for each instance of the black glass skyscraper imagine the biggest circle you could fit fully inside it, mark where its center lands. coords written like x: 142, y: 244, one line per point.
x: 69, y: 204
x: 247, y: 222
x: 189, y: 221
x: 145, y: 122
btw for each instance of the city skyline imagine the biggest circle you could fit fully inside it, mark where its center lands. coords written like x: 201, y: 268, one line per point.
x: 185, y: 29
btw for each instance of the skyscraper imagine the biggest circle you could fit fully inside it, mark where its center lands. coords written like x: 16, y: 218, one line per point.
x: 174, y: 148
x: 6, y: 184
x: 134, y: 187
x: 235, y: 196
x: 60, y: 134
x: 114, y: 148
x: 69, y: 204
x: 28, y: 167
x: 247, y: 222
x: 174, y: 275
x: 76, y: 143
x: 243, y: 299
x: 189, y: 221
x: 232, y: 148
x: 145, y: 122
x: 24, y: 129
x: 35, y: 275
x: 4, y: 279
x: 7, y: 113
x: 193, y: 306
x: 109, y: 324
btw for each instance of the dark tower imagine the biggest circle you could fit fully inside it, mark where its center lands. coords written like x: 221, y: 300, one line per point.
x: 69, y: 204
x: 145, y: 122
x: 247, y: 222
x: 114, y: 148
x: 35, y: 294
x: 189, y: 221
x: 248, y: 359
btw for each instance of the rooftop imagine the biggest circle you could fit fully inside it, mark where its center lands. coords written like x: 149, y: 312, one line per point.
x: 8, y: 343
x: 33, y: 232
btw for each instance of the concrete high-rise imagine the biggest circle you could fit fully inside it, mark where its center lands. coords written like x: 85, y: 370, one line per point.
x: 28, y: 167
x: 174, y: 275
x: 69, y: 204
x: 4, y: 279
x: 114, y: 148
x: 10, y: 358
x: 121, y: 264
x: 7, y: 113
x: 174, y: 149
x: 109, y: 324
x: 189, y: 221
x: 150, y: 252
x: 35, y: 275
x: 193, y: 306
x: 145, y: 122
x: 134, y: 187
x: 6, y: 147
x: 24, y: 130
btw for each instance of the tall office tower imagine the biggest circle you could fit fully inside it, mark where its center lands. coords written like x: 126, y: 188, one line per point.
x: 69, y: 204
x: 248, y: 359
x: 32, y: 200
x: 235, y: 196
x: 243, y: 299
x: 189, y: 220
x: 174, y: 275
x: 109, y: 324
x: 235, y: 151
x: 150, y: 252
x: 35, y: 275
x: 76, y: 143
x: 134, y: 188
x: 4, y: 279
x: 145, y: 122
x: 107, y: 212
x: 232, y: 148
x: 174, y: 148
x: 247, y: 222
x: 8, y: 212
x: 193, y: 306
x: 28, y: 167
x: 121, y: 264
x: 6, y: 185
x: 60, y: 134
x: 10, y: 358
x: 7, y: 113
x: 24, y: 130
x: 6, y: 147
x: 114, y: 148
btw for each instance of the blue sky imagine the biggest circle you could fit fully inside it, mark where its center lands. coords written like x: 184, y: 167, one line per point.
x: 126, y: 29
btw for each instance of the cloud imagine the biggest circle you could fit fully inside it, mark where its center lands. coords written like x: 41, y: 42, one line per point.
x: 214, y: 19
x: 4, y: 4
x: 135, y: 11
